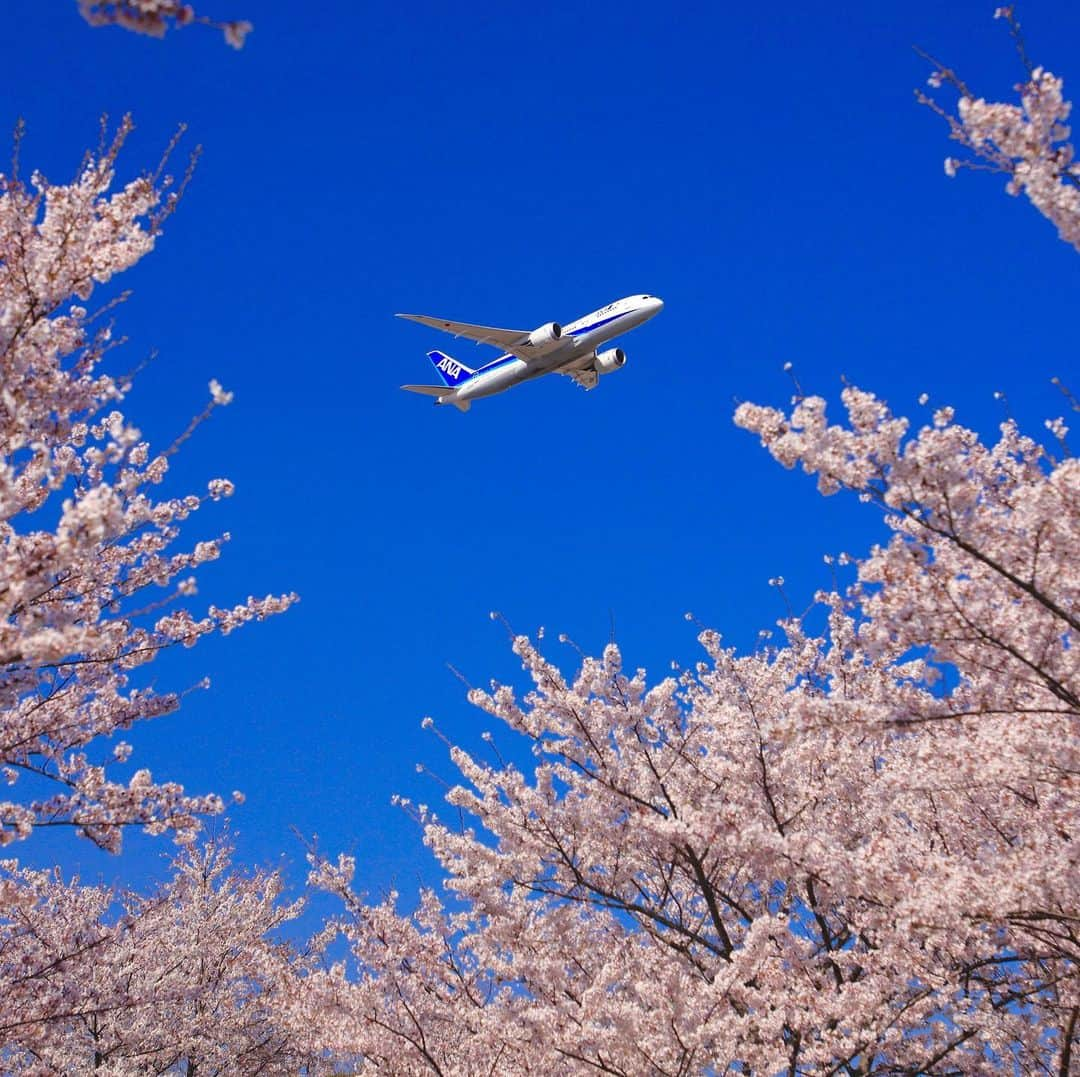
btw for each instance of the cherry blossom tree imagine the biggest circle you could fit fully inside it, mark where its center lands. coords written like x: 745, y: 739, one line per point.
x: 1028, y: 142
x: 89, y: 575
x: 851, y: 853
x: 156, y: 17
x: 189, y: 979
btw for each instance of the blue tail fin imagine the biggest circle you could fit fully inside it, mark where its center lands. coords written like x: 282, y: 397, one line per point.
x: 450, y: 370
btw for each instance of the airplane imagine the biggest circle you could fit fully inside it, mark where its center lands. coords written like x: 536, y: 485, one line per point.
x: 572, y: 350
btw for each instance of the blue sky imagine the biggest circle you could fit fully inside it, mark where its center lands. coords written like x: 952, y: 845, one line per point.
x: 763, y: 169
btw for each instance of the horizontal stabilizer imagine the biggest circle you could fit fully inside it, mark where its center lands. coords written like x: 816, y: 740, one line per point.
x: 429, y: 390
x: 441, y: 392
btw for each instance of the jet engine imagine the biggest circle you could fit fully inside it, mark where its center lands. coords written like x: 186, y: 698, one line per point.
x: 545, y: 335
x: 610, y: 361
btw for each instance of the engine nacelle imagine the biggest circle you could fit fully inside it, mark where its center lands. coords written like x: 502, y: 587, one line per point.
x: 610, y: 361
x: 545, y: 335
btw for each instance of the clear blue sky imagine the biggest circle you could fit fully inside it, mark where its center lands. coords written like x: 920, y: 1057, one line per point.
x: 762, y: 168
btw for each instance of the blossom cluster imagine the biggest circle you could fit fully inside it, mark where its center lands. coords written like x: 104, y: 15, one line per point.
x: 155, y: 17
x: 189, y: 975
x: 1028, y: 142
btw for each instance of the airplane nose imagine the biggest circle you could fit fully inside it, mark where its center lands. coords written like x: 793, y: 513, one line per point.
x: 658, y: 305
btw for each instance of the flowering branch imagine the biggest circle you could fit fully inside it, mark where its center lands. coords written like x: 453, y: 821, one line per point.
x: 155, y: 17
x: 1028, y: 143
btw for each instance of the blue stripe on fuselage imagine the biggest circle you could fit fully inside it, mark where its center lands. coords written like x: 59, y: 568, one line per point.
x: 597, y: 325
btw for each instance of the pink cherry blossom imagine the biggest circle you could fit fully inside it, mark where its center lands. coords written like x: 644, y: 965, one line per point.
x: 191, y: 978
x: 1028, y: 142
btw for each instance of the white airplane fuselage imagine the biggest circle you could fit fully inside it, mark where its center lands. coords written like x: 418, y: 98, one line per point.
x: 578, y: 348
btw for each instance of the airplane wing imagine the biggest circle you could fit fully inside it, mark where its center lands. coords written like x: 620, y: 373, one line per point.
x: 510, y: 340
